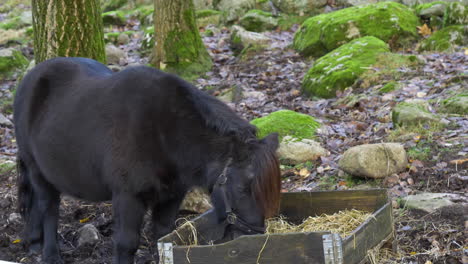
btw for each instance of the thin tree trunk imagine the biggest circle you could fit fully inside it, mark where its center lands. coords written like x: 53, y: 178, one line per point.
x: 68, y: 28
x: 178, y: 45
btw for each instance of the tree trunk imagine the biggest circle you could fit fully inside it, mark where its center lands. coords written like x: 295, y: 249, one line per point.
x: 178, y: 45
x: 68, y: 29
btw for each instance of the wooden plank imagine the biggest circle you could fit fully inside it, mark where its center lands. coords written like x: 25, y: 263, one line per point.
x: 368, y: 235
x: 299, y: 205
x: 297, y: 248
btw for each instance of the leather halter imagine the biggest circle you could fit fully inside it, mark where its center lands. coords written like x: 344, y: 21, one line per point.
x: 230, y: 218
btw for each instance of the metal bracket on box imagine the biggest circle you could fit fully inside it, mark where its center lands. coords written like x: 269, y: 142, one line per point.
x: 332, y: 249
x: 165, y: 253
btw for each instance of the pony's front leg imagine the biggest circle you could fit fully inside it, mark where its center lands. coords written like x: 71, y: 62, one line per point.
x: 164, y: 216
x: 128, y: 217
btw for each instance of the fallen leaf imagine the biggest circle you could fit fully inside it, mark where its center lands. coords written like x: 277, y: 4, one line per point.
x: 304, y: 172
x: 424, y: 30
x: 412, y: 253
x: 84, y: 220
x: 16, y: 241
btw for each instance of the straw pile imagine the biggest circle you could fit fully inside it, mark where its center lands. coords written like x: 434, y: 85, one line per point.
x: 343, y: 223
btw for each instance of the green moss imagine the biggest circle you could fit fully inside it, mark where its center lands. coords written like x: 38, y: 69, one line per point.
x: 14, y: 23
x: 286, y: 123
x: 7, y: 167
x: 109, y: 5
x: 11, y: 59
x: 457, y: 104
x: 206, y: 13
x: 424, y: 6
x: 114, y: 18
x: 258, y: 21
x: 389, y: 21
x: 285, y: 22
x: 389, y: 87
x: 412, y: 114
x: 456, y: 14
x: 112, y: 37
x: 147, y: 41
x: 185, y: 51
x: 387, y: 67
x: 445, y: 39
x: 342, y: 67
x: 250, y: 51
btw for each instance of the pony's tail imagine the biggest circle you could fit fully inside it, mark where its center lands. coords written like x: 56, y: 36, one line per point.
x: 25, y: 192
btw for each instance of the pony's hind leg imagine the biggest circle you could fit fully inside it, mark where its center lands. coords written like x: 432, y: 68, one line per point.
x: 164, y: 216
x: 128, y: 217
x: 42, y: 221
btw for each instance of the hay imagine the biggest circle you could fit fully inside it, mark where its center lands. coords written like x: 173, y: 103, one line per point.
x: 192, y: 239
x: 343, y: 223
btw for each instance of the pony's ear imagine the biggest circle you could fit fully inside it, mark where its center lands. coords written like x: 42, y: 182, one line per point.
x: 271, y: 141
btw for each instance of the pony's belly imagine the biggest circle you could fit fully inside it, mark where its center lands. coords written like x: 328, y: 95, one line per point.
x: 79, y: 186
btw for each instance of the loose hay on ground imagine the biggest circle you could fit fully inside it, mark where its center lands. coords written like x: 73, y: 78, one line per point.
x: 343, y: 223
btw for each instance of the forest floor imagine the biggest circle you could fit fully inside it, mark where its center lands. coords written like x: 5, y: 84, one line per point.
x: 270, y: 81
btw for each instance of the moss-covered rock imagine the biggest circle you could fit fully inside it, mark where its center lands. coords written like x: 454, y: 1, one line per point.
x: 110, y: 5
x: 232, y: 10
x: 412, y: 114
x: 286, y: 123
x: 116, y: 37
x: 114, y: 18
x: 455, y: 105
x: 445, y: 39
x: 340, y: 68
x: 300, y: 7
x: 22, y: 20
x: 10, y: 60
x: 241, y: 39
x: 387, y: 67
x: 144, y: 14
x: 11, y: 36
x: 388, y: 21
x: 456, y: 14
x: 207, y: 17
x: 258, y: 21
x: 432, y: 14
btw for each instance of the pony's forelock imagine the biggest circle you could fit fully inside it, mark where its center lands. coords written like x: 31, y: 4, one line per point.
x: 266, y: 185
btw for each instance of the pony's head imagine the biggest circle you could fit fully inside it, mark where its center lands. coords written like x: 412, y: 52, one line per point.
x: 248, y: 189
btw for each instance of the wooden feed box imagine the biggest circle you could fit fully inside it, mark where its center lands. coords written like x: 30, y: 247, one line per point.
x: 292, y: 248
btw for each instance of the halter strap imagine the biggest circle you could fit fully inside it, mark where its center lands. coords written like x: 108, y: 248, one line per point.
x: 230, y: 217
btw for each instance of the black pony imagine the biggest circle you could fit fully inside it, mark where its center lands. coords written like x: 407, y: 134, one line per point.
x: 141, y: 138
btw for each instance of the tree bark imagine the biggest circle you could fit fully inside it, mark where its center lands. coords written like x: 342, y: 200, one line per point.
x: 67, y: 28
x: 178, y: 45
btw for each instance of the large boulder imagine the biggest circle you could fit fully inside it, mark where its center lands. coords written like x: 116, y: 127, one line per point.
x: 232, y: 10
x: 11, y: 60
x: 258, y: 21
x: 408, y: 114
x: 286, y: 123
x: 388, y: 21
x: 300, y: 7
x: 446, y: 39
x: 295, y: 151
x: 374, y: 160
x: 341, y: 68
